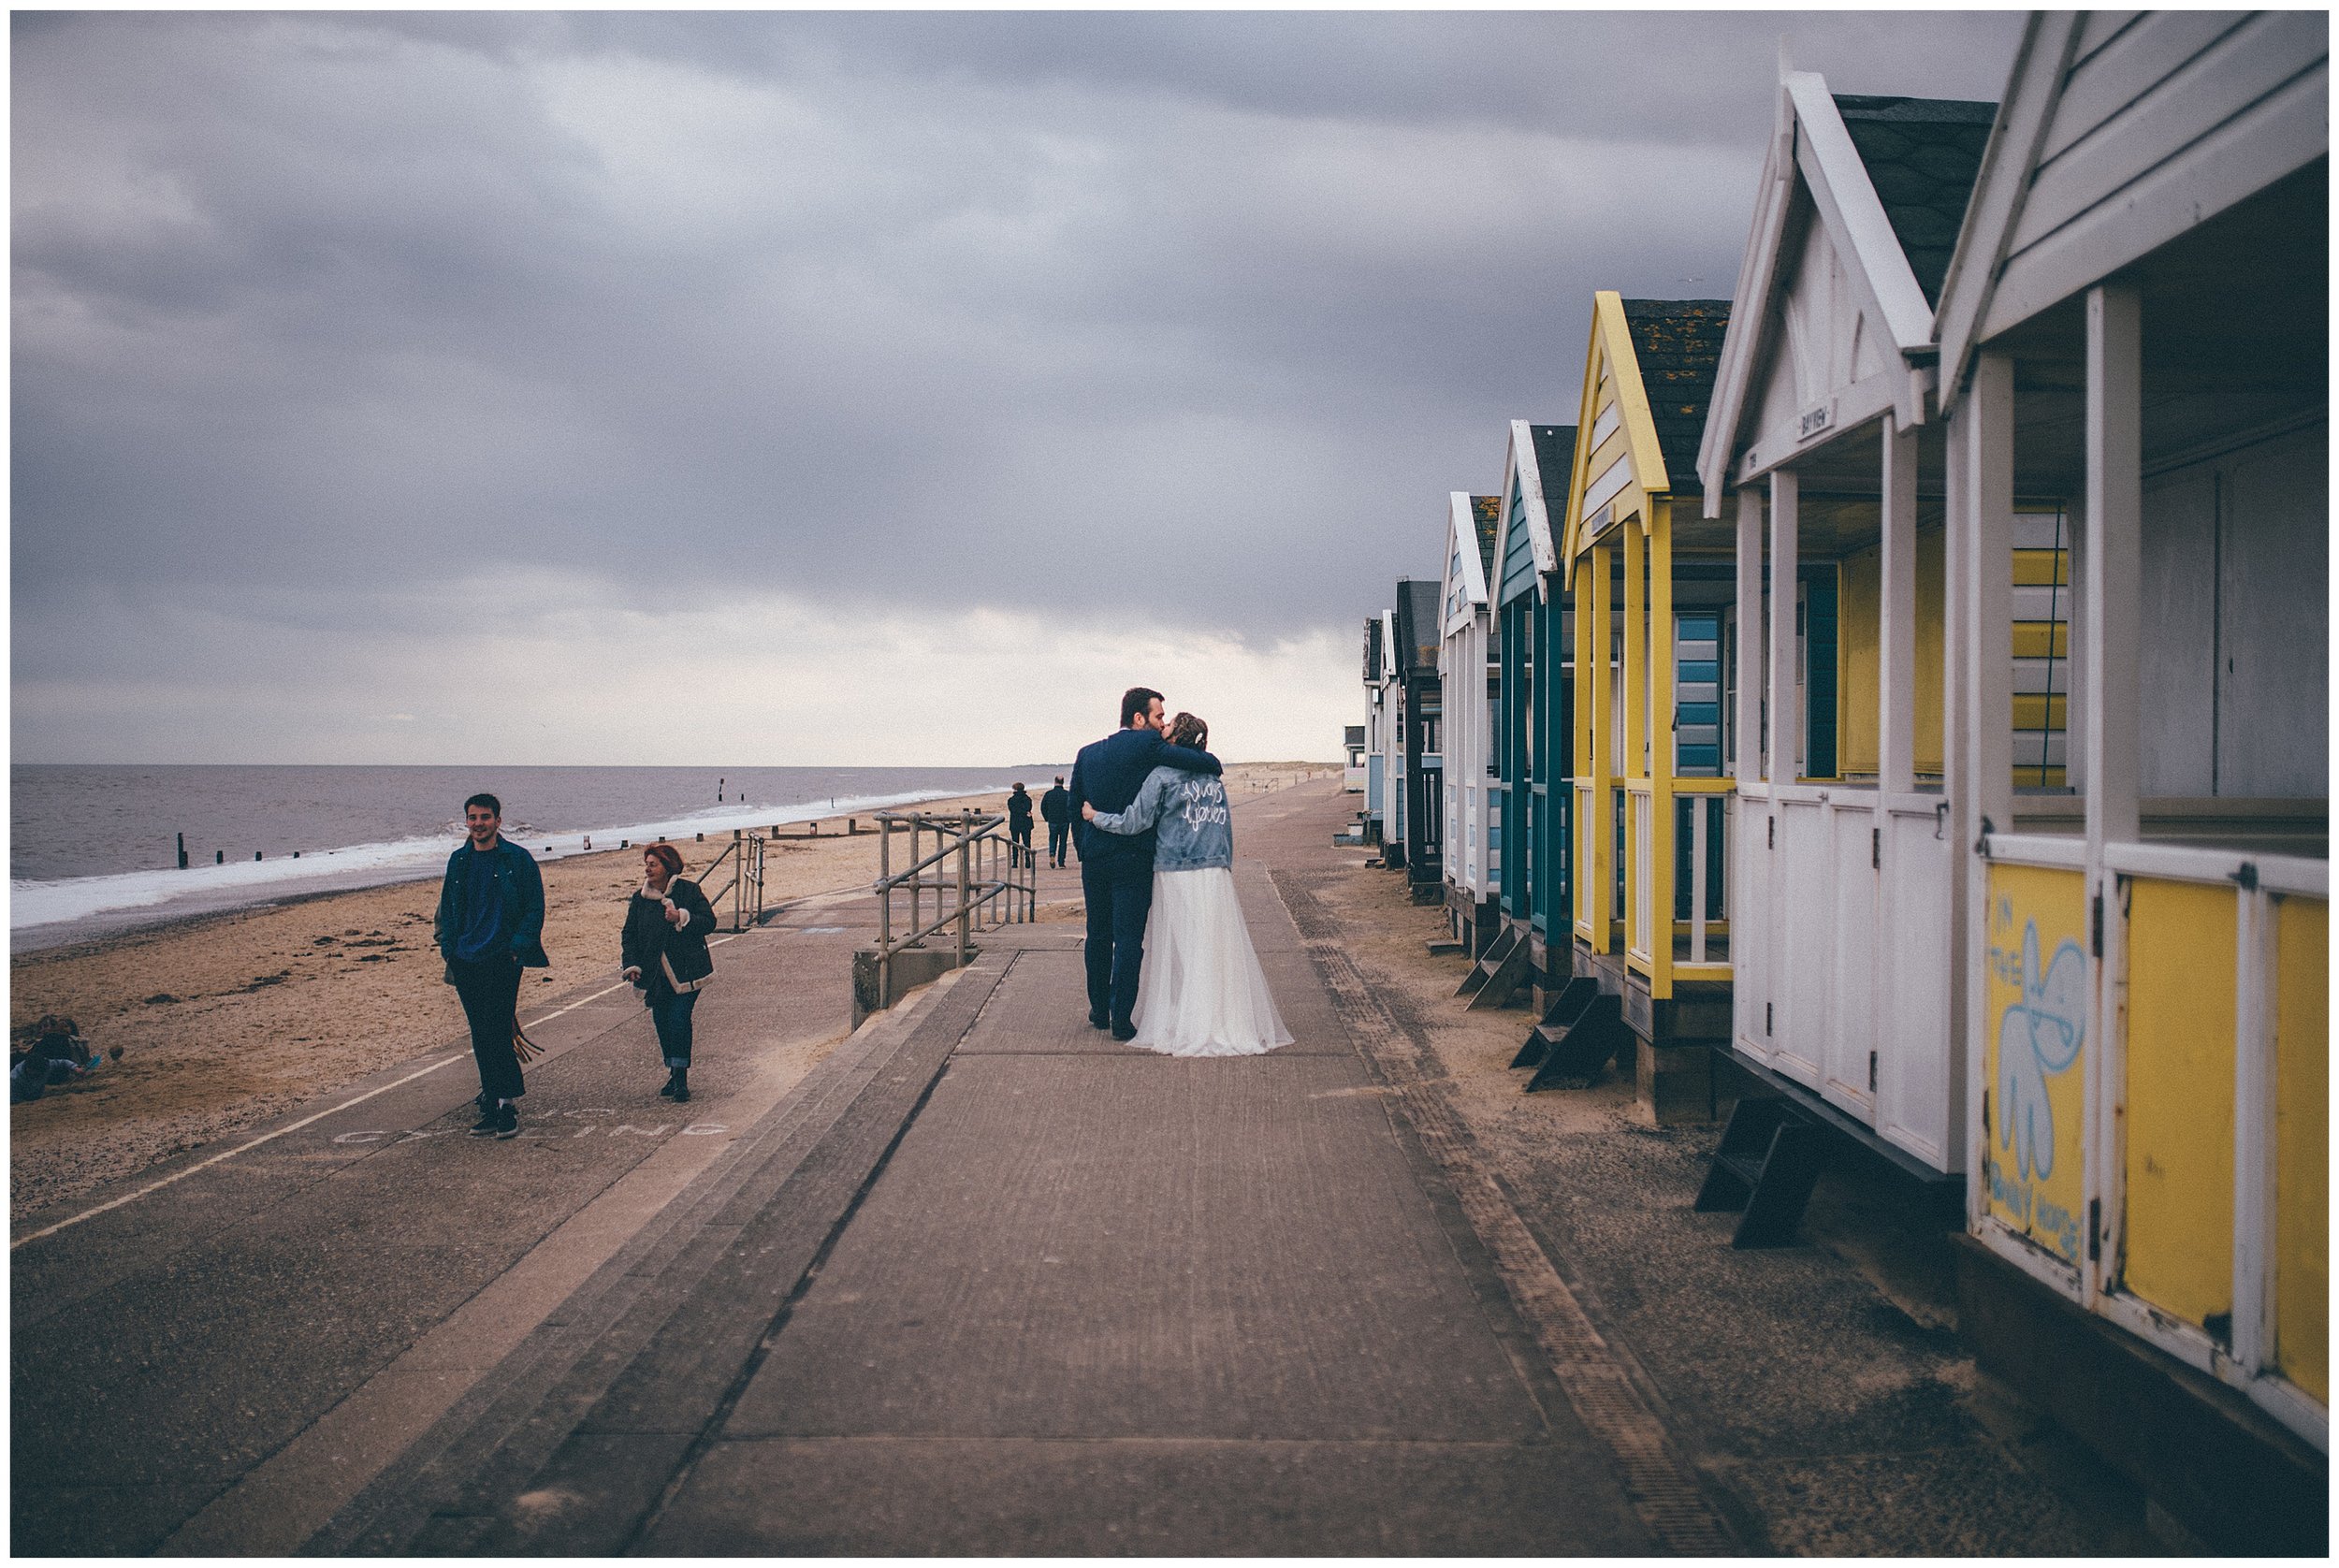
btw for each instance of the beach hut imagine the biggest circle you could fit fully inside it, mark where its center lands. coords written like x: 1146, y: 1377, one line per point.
x: 1352, y: 775
x: 1419, y: 841
x: 1534, y: 642
x: 2135, y: 326
x: 1820, y: 443
x: 1466, y: 669
x: 1378, y: 707
x: 1650, y: 808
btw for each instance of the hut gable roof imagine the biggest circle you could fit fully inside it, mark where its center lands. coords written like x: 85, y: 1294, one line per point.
x: 1860, y: 205
x: 1649, y: 378
x: 1535, y: 472
x: 1487, y: 520
x: 1921, y: 155
x: 1373, y: 673
x: 1417, y: 630
x: 1469, y: 543
x: 1555, y: 454
x: 1676, y: 346
x: 2121, y: 131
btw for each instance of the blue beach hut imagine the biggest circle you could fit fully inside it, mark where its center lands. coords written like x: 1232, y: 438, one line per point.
x: 1533, y: 724
x: 1418, y: 844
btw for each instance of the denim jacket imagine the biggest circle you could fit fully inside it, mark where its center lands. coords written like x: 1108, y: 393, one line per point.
x: 521, y: 887
x: 1189, y: 810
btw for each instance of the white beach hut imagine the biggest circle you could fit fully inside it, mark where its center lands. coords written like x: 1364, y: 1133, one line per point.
x: 1380, y: 723
x: 2136, y: 324
x: 1839, y: 871
x: 1470, y: 682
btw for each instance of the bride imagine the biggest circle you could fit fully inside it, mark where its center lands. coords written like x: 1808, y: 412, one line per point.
x: 1201, y: 992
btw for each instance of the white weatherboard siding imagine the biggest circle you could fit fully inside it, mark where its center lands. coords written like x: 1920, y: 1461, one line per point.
x: 2243, y: 535
x: 2164, y: 120
x: 1612, y: 480
x: 1843, y: 915
x: 2150, y: 226
x: 1467, y: 727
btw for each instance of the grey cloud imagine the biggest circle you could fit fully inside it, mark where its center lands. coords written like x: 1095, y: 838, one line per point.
x: 346, y: 305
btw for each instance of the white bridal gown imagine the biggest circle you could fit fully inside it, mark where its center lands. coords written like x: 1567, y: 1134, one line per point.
x: 1201, y: 992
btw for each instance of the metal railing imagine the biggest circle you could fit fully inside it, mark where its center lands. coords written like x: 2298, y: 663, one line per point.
x: 978, y: 877
x: 745, y: 855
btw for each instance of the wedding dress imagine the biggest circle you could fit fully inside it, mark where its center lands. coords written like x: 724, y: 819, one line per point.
x: 1201, y: 992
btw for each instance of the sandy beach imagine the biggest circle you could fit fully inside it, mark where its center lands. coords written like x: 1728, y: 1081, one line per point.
x: 227, y: 1020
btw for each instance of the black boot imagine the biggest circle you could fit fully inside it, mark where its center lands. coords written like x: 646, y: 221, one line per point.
x: 674, y: 1076
x: 681, y: 1085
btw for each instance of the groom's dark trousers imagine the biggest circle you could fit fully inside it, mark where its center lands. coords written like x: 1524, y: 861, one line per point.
x: 1116, y: 869
x: 1120, y: 897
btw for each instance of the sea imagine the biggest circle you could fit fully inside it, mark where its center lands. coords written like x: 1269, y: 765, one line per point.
x: 94, y: 848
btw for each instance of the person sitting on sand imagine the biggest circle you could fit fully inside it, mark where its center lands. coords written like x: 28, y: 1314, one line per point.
x: 663, y: 949
x: 58, y: 1054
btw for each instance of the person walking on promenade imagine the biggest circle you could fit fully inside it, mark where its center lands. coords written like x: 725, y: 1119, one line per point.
x: 1055, y: 809
x: 1018, y: 827
x: 489, y: 926
x: 663, y: 949
x: 1117, y: 869
x: 1202, y: 991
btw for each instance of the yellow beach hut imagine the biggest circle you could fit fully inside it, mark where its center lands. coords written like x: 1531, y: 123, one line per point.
x: 2136, y: 320
x: 1650, y: 580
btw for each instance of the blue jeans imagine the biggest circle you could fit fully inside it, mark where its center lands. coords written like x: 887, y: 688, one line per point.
x: 671, y: 1014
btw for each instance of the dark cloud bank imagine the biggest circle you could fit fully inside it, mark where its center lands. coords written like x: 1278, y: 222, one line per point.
x: 320, y: 314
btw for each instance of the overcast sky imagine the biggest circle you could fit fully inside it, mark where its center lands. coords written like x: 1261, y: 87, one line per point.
x: 796, y: 389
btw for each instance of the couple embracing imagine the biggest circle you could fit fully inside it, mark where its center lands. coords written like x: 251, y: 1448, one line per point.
x: 1154, y: 834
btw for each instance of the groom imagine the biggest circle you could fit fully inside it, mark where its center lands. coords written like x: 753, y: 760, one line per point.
x: 1117, y: 870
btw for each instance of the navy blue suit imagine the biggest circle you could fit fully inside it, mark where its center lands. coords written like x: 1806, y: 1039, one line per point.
x: 1117, y: 870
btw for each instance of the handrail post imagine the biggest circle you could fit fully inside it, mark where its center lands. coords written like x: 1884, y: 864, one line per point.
x: 738, y: 886
x: 885, y: 908
x: 916, y: 880
x: 965, y: 833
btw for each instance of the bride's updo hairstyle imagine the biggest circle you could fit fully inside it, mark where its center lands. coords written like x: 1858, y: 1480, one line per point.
x: 1187, y: 730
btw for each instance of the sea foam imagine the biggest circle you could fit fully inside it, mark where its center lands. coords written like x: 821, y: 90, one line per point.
x: 51, y: 909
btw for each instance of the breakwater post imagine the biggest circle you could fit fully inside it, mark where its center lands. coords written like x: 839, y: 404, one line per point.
x: 183, y: 851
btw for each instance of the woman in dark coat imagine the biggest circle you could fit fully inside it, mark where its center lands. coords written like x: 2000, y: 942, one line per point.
x: 665, y: 956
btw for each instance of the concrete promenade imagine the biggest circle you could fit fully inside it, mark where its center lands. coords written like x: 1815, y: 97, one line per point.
x: 980, y: 1281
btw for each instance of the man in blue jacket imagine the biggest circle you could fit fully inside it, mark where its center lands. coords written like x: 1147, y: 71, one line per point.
x: 1116, y: 870
x: 491, y: 925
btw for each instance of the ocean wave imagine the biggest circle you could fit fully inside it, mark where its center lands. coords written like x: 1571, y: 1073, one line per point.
x: 243, y: 884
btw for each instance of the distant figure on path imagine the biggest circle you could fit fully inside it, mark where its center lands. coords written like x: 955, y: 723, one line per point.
x: 663, y: 949
x: 1203, y: 992
x: 489, y: 926
x: 1018, y: 827
x: 1117, y: 870
x: 1055, y: 809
